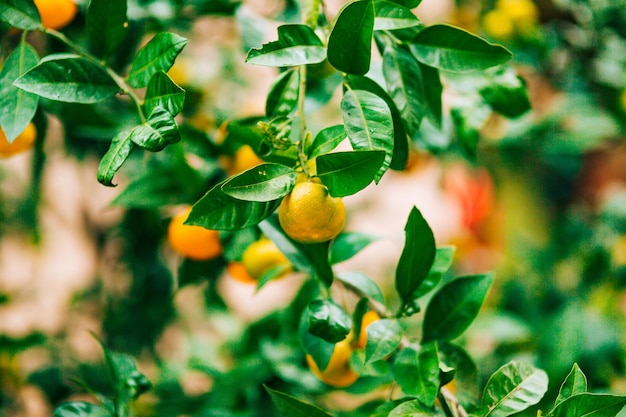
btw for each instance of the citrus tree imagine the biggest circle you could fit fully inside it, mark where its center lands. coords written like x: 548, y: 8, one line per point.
x: 275, y: 206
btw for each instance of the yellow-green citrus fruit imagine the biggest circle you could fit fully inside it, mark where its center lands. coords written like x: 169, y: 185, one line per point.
x: 238, y: 272
x: 21, y: 143
x: 498, y: 24
x: 56, y: 14
x: 338, y: 373
x: 310, y: 215
x: 261, y: 256
x: 193, y: 242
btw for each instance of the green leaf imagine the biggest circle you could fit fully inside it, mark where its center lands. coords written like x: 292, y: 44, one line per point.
x: 265, y: 182
x: 21, y: 14
x: 383, y: 338
x: 157, y: 55
x: 369, y: 124
x: 218, y: 211
x: 417, y: 256
x: 128, y: 383
x: 159, y: 131
x: 449, y: 48
x: 80, y: 409
x: 347, y: 173
x: 390, y: 16
x: 283, y: 96
x: 417, y: 372
x: 412, y: 409
x: 326, y: 140
x: 107, y: 24
x: 505, y: 92
x: 350, y: 42
x: 589, y: 405
x: 433, y: 89
x: 468, y: 119
x: 120, y: 149
x: 328, y: 321
x: 454, y: 307
x: 296, y: 45
x: 348, y: 244
x: 364, y: 284
x: 513, y: 388
x: 444, y: 258
x: 319, y: 349
x: 575, y: 383
x: 68, y: 78
x: 411, y: 4
x: 18, y: 106
x: 164, y: 92
x: 289, y: 406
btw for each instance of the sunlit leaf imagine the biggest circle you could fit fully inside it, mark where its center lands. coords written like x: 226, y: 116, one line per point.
x: 70, y: 79
x: 348, y: 244
x: 327, y: 320
x: 589, y: 405
x: 444, y: 257
x: 157, y: 132
x: 383, y: 338
x: 417, y: 372
x: 107, y: 24
x: 18, y: 106
x: 412, y: 409
x: 120, y: 149
x: 162, y: 91
x: 283, y: 96
x: 21, y: 14
x: 350, y: 42
x: 80, y: 409
x: 411, y: 4
x: 468, y: 119
x: 157, y: 55
x: 505, y: 92
x: 347, y: 173
x: 363, y: 284
x: 326, y: 140
x: 390, y: 16
x: 296, y: 45
x: 265, y: 182
x: 289, y: 406
x: 575, y: 383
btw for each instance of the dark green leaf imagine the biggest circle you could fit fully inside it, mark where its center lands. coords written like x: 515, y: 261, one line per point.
x: 348, y: 244
x: 157, y: 55
x: 433, y: 89
x: 327, y: 140
x: 444, y: 258
x: 283, y: 96
x: 369, y: 123
x: 505, y: 92
x: 362, y: 306
x: 468, y: 120
x: 589, y: 405
x: 265, y: 182
x: 363, y: 284
x: 128, y: 383
x: 350, y: 42
x: 164, y: 92
x: 107, y: 24
x: 80, y: 409
x: 68, y: 78
x: 513, y: 388
x: 328, y: 321
x: 120, y: 149
x: 216, y: 210
x: 412, y: 409
x: 289, y: 406
x: 417, y: 372
x: 450, y: 48
x: 465, y: 373
x: 18, y: 106
x: 319, y: 349
x: 159, y: 131
x: 21, y: 14
x: 296, y: 45
x: 347, y: 173
x: 390, y: 16
x: 417, y: 256
x: 575, y: 383
x: 383, y: 338
x: 454, y: 307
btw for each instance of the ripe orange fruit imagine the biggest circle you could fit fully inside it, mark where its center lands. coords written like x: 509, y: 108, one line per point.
x: 242, y: 160
x: 56, y: 14
x: 310, y: 215
x: 21, y: 143
x: 261, y: 256
x: 368, y: 318
x: 237, y: 271
x: 193, y: 242
x: 338, y: 373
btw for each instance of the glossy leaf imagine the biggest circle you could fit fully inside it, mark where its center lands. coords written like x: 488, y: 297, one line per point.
x: 289, y: 406
x: 296, y: 45
x: 412, y: 409
x: 513, y: 388
x: 350, y: 42
x: 128, y: 383
x: 18, y: 106
x: 411, y: 4
x: 575, y: 383
x: 390, y: 16
x: 417, y: 256
x: 327, y: 320
x: 216, y: 210
x: 348, y: 244
x: 157, y: 55
x: 319, y: 349
x: 68, y: 78
x: 347, y: 173
x: 164, y: 92
x: 450, y: 48
x: 369, y: 124
x: 589, y: 405
x: 433, y: 90
x: 454, y: 307
x: 265, y: 182
x: 383, y: 338
x: 283, y: 96
x: 80, y: 409
x: 21, y: 14
x: 505, y: 92
x: 363, y: 284
x: 327, y: 139
x: 159, y: 131
x: 107, y: 24
x: 417, y: 372
x: 120, y: 149
x: 444, y: 258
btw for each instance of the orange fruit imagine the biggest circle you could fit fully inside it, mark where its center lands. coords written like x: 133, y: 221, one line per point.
x: 310, y: 215
x: 338, y: 373
x: 368, y: 318
x: 56, y: 14
x: 21, y: 143
x: 193, y: 242
x: 238, y: 272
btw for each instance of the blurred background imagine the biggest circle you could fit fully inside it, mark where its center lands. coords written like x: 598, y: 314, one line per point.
x: 540, y: 199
